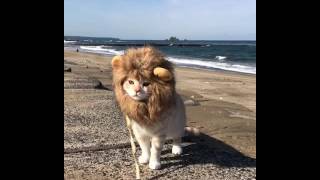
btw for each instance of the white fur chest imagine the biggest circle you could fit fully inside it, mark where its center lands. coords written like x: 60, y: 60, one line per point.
x: 171, y: 123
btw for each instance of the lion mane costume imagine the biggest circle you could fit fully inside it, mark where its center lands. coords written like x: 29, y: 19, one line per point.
x: 149, y: 64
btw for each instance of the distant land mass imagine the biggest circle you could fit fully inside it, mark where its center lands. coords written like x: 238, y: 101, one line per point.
x: 90, y: 39
x: 87, y: 38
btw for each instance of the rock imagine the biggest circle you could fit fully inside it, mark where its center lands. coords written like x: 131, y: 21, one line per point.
x: 67, y: 69
x: 190, y: 102
x: 73, y: 81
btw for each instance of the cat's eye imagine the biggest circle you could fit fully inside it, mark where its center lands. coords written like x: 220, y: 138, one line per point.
x: 131, y: 82
x: 146, y: 84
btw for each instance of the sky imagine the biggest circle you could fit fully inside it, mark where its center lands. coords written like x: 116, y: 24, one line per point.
x: 161, y: 19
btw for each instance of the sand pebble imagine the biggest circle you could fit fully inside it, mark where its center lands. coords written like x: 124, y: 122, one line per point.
x: 190, y: 102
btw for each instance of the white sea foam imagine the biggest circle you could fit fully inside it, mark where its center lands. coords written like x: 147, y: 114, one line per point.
x: 213, y: 64
x: 101, y: 50
x: 220, y: 58
x: 218, y: 64
x: 66, y: 42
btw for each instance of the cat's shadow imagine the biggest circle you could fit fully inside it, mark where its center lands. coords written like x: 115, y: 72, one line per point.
x: 205, y: 150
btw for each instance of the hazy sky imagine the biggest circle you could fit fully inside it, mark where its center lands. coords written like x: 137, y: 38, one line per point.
x: 160, y: 19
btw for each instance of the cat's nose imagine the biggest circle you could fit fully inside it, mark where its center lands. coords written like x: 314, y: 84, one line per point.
x: 137, y: 88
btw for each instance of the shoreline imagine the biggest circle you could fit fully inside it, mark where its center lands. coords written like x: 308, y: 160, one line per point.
x: 217, y: 70
x: 176, y: 65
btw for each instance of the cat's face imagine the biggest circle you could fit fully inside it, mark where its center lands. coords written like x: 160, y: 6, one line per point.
x: 137, y: 90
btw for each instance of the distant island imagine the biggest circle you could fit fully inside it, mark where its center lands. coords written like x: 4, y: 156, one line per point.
x: 173, y: 39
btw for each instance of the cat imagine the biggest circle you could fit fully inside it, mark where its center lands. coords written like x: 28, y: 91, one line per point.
x: 144, y: 86
x: 151, y: 138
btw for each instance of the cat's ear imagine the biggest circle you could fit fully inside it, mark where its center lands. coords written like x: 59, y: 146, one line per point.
x: 162, y: 73
x: 116, y: 61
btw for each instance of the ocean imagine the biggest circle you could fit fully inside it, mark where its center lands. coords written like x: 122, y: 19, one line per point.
x: 238, y: 56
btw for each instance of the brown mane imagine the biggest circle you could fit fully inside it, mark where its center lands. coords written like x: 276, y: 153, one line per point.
x: 140, y: 63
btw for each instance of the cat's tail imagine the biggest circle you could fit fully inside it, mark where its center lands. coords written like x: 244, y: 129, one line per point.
x: 191, y: 130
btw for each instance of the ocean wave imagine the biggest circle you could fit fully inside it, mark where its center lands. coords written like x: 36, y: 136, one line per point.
x: 69, y: 41
x: 218, y: 64
x: 213, y: 64
x: 231, y: 44
x: 220, y: 58
x: 101, y: 50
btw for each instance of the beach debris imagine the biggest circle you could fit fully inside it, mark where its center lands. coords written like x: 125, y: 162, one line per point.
x: 67, y: 69
x: 73, y: 81
x: 190, y: 102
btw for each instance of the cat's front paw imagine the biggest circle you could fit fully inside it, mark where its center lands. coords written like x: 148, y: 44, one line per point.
x: 177, y: 150
x: 154, y: 165
x: 143, y: 159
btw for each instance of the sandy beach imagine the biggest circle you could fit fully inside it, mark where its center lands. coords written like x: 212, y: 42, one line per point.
x: 221, y: 104
x: 225, y: 101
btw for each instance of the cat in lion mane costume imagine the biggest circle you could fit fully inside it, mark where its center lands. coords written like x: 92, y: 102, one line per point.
x: 144, y: 86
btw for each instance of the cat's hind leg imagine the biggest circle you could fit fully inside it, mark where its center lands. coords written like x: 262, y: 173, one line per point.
x: 176, y: 146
